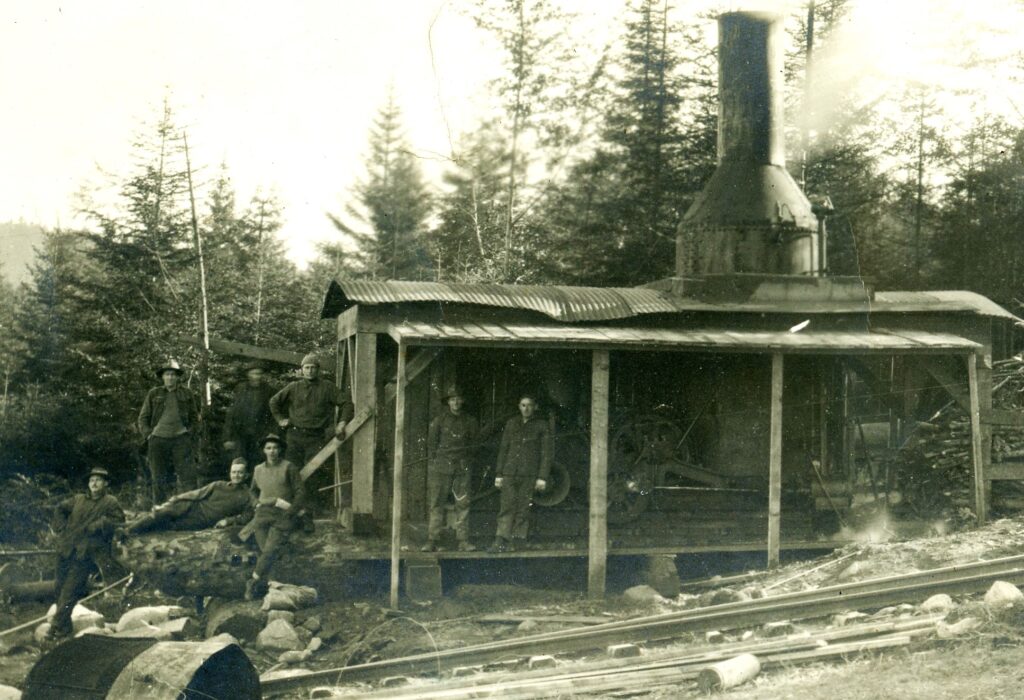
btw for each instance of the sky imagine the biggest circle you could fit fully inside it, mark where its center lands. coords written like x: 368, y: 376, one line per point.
x: 285, y: 94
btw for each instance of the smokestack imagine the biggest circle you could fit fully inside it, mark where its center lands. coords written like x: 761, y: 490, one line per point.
x: 751, y: 216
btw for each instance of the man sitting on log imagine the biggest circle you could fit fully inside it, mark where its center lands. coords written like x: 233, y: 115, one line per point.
x: 280, y: 499
x: 220, y: 503
x: 85, y: 526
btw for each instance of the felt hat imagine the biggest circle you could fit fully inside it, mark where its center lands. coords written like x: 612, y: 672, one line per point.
x: 452, y: 390
x: 172, y: 365
x: 255, y: 364
x: 99, y: 471
x: 271, y: 437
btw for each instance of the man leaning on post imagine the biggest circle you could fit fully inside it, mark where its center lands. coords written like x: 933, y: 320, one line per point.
x: 167, y: 421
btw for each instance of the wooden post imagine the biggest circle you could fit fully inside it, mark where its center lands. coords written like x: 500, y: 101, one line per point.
x: 597, y: 547
x: 775, y: 464
x: 363, y: 443
x: 396, y: 500
x: 977, y: 454
x: 824, y: 379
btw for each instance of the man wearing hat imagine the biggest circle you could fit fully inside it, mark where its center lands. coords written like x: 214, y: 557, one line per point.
x: 85, y: 526
x: 167, y: 420
x: 249, y: 417
x: 450, y: 443
x: 305, y: 410
x: 219, y: 503
x: 280, y: 498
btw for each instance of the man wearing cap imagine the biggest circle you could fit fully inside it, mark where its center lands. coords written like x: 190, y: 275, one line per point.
x: 167, y: 420
x: 219, y: 503
x: 305, y: 409
x: 85, y: 526
x: 450, y: 443
x: 249, y: 417
x: 524, y: 462
x: 280, y: 499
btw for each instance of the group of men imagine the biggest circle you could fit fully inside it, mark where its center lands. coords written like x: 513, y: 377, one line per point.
x: 523, y: 467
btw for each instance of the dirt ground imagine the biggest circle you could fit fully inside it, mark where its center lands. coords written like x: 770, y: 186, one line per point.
x: 988, y: 664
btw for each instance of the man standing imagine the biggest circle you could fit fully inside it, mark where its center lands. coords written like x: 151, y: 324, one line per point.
x: 249, y: 417
x: 167, y: 420
x: 85, y: 528
x: 219, y: 503
x: 280, y: 497
x: 524, y: 462
x: 450, y: 443
x: 305, y: 408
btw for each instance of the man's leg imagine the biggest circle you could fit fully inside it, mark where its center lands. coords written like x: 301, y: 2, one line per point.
x: 272, y: 545
x: 460, y: 492
x: 507, y: 509
x: 438, y: 484
x: 521, y: 518
x: 161, y: 468
x: 184, y: 466
x: 72, y: 577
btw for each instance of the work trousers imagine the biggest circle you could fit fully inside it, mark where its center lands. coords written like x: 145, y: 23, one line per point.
x: 440, y: 483
x: 303, y: 445
x: 272, y: 530
x: 514, y: 512
x: 171, y: 519
x: 248, y: 446
x: 170, y: 459
x: 71, y: 585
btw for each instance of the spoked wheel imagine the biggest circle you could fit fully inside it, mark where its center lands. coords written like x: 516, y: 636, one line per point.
x: 639, y: 448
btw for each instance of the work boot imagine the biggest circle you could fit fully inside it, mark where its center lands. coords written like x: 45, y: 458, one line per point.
x: 430, y: 546
x: 255, y: 588
x: 466, y: 546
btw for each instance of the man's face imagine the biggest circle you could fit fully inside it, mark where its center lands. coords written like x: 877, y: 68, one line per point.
x: 310, y: 371
x: 255, y: 376
x: 170, y: 378
x: 97, y: 485
x: 239, y: 472
x: 455, y: 403
x: 273, y: 451
x: 527, y: 407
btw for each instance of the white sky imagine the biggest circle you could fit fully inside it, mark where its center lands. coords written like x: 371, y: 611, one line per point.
x: 285, y: 93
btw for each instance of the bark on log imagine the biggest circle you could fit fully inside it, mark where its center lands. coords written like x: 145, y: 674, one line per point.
x: 210, y: 563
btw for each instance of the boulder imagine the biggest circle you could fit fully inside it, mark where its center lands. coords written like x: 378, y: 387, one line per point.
x: 293, y: 657
x: 9, y: 693
x: 940, y: 602
x: 243, y: 620
x: 149, y: 615
x: 146, y: 630
x: 40, y: 632
x: 286, y: 615
x: 223, y: 638
x: 279, y: 635
x: 527, y: 626
x: 661, y: 574
x: 957, y: 629
x: 312, y: 623
x: 285, y: 596
x: 1002, y: 594
x: 643, y: 594
x: 314, y: 645
x: 81, y: 618
x: 728, y: 595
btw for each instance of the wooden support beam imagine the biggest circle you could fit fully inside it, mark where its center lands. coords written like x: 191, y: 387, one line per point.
x: 419, y: 363
x: 1002, y: 417
x: 364, y: 392
x: 597, y: 547
x: 775, y: 464
x: 229, y: 347
x: 977, y: 453
x: 398, y: 479
x: 1005, y: 471
x: 348, y: 323
x: 943, y: 374
x: 357, y: 422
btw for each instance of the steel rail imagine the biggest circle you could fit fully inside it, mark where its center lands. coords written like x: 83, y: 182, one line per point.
x: 874, y: 593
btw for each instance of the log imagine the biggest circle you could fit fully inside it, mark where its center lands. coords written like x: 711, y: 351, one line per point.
x: 243, y: 620
x: 212, y: 563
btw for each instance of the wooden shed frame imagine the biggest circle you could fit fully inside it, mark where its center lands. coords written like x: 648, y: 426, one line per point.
x: 423, y: 319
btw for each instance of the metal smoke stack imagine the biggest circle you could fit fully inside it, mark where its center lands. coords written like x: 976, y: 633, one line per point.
x: 752, y: 216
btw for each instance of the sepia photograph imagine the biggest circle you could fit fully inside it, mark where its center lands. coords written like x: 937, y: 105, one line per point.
x: 451, y: 349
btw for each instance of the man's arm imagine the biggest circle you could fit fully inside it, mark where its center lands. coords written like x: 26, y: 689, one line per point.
x: 106, y: 519
x: 62, y: 513
x: 341, y: 399
x: 506, y: 439
x: 298, y: 488
x: 146, y: 414
x: 434, y: 436
x: 279, y: 405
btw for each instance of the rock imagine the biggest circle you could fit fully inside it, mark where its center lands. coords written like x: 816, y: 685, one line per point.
x: 940, y: 602
x: 279, y: 636
x: 747, y: 636
x: 541, y: 661
x: 40, y: 632
x: 285, y: 596
x: 842, y: 619
x: 149, y: 615
x: 243, y: 620
x: 851, y: 572
x: 293, y: 657
x: 9, y: 693
x: 623, y: 651
x: 643, y: 594
x: 180, y: 628
x: 223, y: 638
x: 321, y: 693
x: 314, y: 645
x: 714, y: 637
x: 958, y: 629
x: 146, y: 631
x: 527, y: 626
x: 752, y: 592
x: 81, y: 618
x: 778, y: 629
x: 1002, y: 594
x: 463, y: 671
x: 728, y: 595
x: 286, y: 615
x: 661, y: 574
x: 312, y: 623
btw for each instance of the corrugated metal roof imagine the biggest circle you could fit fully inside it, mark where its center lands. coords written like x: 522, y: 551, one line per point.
x: 582, y: 304
x: 508, y: 335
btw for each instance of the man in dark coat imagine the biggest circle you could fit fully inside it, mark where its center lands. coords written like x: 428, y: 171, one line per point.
x: 249, y: 417
x: 450, y: 443
x: 85, y: 526
x: 219, y: 503
x: 305, y: 409
x: 524, y: 462
x: 280, y: 498
x: 167, y: 421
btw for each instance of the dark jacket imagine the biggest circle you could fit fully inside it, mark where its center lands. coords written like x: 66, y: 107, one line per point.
x: 214, y: 502
x: 525, y: 450
x: 153, y: 408
x: 309, y: 404
x: 249, y: 413
x: 451, y: 441
x: 85, y: 525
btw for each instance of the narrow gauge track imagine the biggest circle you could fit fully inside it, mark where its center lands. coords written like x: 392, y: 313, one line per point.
x: 872, y: 593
